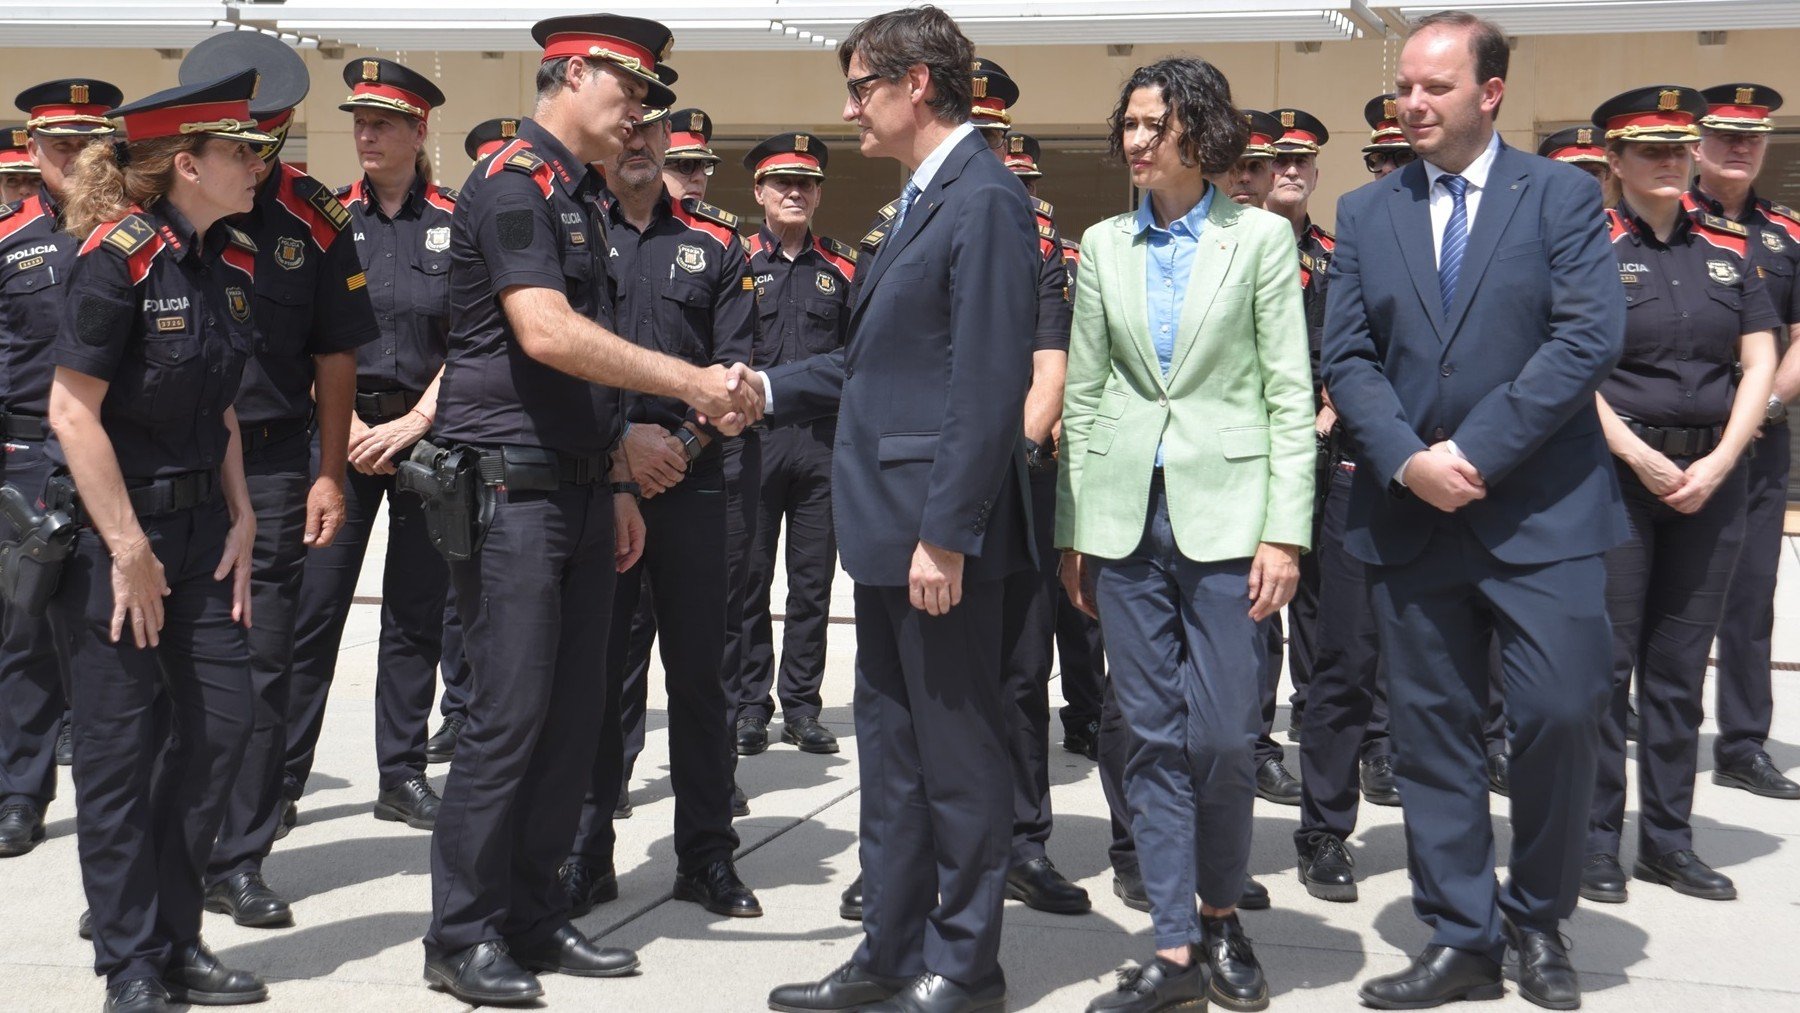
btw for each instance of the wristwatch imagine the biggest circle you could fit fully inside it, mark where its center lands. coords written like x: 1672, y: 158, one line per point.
x: 626, y: 489
x: 1776, y: 413
x: 690, y: 442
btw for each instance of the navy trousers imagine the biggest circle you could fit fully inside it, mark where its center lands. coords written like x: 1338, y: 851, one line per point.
x: 1028, y: 629
x: 33, y: 674
x: 1745, y: 702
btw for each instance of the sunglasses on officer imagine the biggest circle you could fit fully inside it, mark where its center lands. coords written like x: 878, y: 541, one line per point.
x: 1377, y: 161
x: 689, y: 166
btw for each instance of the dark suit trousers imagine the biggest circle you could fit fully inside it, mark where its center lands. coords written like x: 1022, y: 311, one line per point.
x: 796, y: 486
x: 1028, y: 632
x: 1081, y: 659
x: 1745, y: 701
x: 936, y: 798
x: 1269, y: 673
x: 1184, y: 658
x: 684, y: 560
x: 33, y: 673
x: 535, y: 602
x: 1665, y: 590
x: 1115, y: 749
x: 1436, y: 615
x: 278, y: 476
x: 159, y: 737
x: 1346, y: 682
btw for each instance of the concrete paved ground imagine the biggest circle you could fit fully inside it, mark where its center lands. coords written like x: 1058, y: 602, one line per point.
x: 361, y: 890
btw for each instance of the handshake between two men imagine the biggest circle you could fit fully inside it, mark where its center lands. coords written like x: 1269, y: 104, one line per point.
x: 725, y: 401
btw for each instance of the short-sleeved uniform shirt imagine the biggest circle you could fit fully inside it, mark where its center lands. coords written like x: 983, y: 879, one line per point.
x: 1774, y: 240
x: 311, y: 294
x: 1316, y: 246
x: 1056, y: 315
x: 684, y: 289
x: 526, y: 218
x: 167, y: 322
x: 1687, y: 303
x: 406, y: 260
x: 803, y: 303
x: 36, y: 257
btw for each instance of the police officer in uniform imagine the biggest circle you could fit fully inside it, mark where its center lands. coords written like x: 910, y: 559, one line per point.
x: 1581, y: 148
x: 19, y: 175
x: 803, y: 304
x: 400, y: 223
x: 1252, y: 176
x: 312, y: 311
x: 156, y: 597
x: 688, y: 166
x: 1678, y: 425
x: 1388, y: 148
x: 1733, y: 141
x: 36, y: 255
x: 684, y: 290
x: 531, y: 391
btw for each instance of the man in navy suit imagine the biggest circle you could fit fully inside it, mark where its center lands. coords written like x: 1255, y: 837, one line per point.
x: 1482, y: 501
x: 928, y: 479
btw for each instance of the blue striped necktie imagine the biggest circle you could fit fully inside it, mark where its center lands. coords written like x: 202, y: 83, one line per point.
x: 907, y: 196
x: 1456, y: 238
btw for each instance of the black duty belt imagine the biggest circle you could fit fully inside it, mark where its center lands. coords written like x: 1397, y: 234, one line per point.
x: 154, y: 498
x: 23, y: 427
x: 1678, y: 441
x: 258, y: 437
x: 378, y: 406
x: 536, y: 469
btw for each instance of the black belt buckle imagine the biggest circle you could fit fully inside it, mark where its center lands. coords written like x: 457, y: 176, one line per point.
x: 23, y: 427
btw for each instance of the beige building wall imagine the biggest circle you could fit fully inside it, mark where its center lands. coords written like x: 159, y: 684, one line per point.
x: 1068, y: 90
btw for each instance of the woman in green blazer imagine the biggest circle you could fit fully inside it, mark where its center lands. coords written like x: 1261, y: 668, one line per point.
x: 1184, y: 502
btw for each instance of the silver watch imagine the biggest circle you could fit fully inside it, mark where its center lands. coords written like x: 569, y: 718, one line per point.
x: 1776, y: 412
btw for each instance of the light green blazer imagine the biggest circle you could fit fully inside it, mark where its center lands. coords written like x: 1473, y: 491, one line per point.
x: 1234, y: 414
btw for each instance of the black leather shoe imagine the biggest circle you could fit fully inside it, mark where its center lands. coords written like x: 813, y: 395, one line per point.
x: 586, y: 886
x: 482, y: 974
x: 1158, y: 985
x: 1684, y: 872
x: 934, y: 993
x: 249, y: 901
x: 718, y: 889
x: 850, y: 901
x: 1758, y: 777
x: 196, y: 977
x: 1326, y: 868
x: 441, y: 747
x: 1439, y: 974
x: 847, y: 988
x: 1377, y: 777
x: 140, y: 995
x: 290, y: 818
x: 84, y: 926
x: 567, y: 951
x: 65, y: 746
x: 809, y: 735
x: 740, y: 802
x: 752, y: 736
x: 1273, y: 782
x: 1255, y: 897
x: 1602, y: 880
x: 411, y: 802
x: 1083, y: 739
x: 1040, y: 886
x: 21, y: 829
x: 1130, y: 889
x: 1546, y: 977
x: 1500, y: 775
x: 1235, y: 978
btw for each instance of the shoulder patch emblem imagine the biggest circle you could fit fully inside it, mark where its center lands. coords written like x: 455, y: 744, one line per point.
x: 290, y: 253
x: 238, y: 303
x: 1773, y: 242
x: 1723, y: 272
x: 826, y: 282
x: 690, y: 258
x: 1724, y: 225
x: 129, y: 234
x: 1042, y: 207
x: 329, y: 206
x: 437, y: 240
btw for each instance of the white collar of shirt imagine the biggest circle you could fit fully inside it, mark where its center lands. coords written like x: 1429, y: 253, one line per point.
x: 1442, y: 202
x: 927, y: 170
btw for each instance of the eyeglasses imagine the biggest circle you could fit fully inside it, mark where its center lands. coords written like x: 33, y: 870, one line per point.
x: 857, y: 87
x: 1379, y: 160
x: 689, y: 166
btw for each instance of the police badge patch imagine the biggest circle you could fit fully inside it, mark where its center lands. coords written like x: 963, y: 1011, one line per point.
x: 290, y: 253
x: 690, y: 258
x: 437, y: 240
x: 1722, y: 272
x: 238, y: 303
x: 1772, y: 241
x: 826, y: 283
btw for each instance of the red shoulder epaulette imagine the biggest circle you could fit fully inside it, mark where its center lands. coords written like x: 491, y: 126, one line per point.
x: 14, y: 217
x: 754, y: 244
x: 308, y: 200
x: 352, y: 194
x: 1786, y: 217
x: 130, y: 237
x: 517, y: 156
x: 703, y: 217
x: 1616, y: 225
x: 1722, y: 233
x: 838, y: 255
x: 240, y: 251
x: 1326, y: 239
x: 1071, y: 251
x: 441, y: 197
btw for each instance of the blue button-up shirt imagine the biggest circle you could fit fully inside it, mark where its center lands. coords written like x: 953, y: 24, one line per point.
x: 1166, y: 273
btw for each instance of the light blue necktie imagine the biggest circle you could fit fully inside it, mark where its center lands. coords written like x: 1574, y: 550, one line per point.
x: 907, y: 196
x: 1456, y: 239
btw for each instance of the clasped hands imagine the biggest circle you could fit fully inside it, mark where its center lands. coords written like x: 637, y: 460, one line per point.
x: 727, y: 398
x: 1443, y: 479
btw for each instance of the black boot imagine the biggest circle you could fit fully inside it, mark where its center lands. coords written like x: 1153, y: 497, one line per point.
x: 1326, y: 868
x: 1040, y: 886
x: 587, y: 886
x: 718, y: 889
x: 21, y: 829
x: 850, y: 902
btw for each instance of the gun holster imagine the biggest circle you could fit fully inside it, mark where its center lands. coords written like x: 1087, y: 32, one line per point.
x: 32, y: 560
x: 459, y: 506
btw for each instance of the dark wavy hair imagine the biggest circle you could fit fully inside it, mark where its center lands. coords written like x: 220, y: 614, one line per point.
x: 1199, y: 98
x: 893, y: 43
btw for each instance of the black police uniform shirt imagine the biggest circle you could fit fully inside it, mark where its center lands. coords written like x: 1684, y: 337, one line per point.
x: 311, y: 294
x: 1056, y: 316
x: 1687, y: 303
x: 1774, y: 234
x: 406, y: 259
x: 168, y: 323
x: 36, y: 257
x: 684, y: 289
x: 1316, y: 246
x: 525, y: 219
x: 803, y: 303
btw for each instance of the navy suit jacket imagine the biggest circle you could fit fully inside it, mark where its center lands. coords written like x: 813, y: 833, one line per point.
x: 930, y: 388
x: 1509, y: 373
